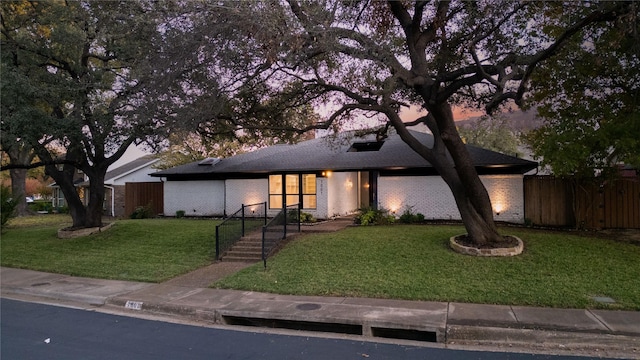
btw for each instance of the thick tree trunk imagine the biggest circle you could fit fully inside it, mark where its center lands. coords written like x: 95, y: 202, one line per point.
x: 19, y: 153
x: 96, y: 201
x: 64, y: 179
x: 18, y: 181
x: 450, y: 157
x: 468, y: 190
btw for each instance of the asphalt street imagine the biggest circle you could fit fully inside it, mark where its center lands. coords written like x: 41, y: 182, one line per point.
x: 37, y: 331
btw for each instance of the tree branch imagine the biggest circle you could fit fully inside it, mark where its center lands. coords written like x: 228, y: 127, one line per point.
x: 596, y: 16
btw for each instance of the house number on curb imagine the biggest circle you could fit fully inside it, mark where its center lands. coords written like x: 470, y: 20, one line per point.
x: 133, y: 305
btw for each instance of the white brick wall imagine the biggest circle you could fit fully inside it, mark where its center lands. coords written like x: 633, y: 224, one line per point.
x: 431, y: 196
x: 196, y: 198
x: 342, y: 193
x: 245, y: 191
x: 322, y: 199
x: 507, y: 196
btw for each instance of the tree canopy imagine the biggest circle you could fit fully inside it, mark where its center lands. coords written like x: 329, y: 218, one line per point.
x: 74, y: 76
x: 370, y: 59
x: 121, y: 72
x: 590, y: 100
x: 491, y: 132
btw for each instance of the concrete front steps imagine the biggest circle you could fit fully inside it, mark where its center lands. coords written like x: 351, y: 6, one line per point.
x: 249, y: 247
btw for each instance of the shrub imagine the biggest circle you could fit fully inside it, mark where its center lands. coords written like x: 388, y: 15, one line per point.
x: 292, y: 216
x: 180, y: 214
x: 370, y: 216
x: 7, y: 205
x: 307, y: 218
x: 408, y: 217
x: 142, y: 212
x: 41, y: 205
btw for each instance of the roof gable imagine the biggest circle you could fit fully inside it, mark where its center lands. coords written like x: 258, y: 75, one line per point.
x: 130, y: 167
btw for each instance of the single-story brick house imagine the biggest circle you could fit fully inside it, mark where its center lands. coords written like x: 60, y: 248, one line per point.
x: 337, y: 175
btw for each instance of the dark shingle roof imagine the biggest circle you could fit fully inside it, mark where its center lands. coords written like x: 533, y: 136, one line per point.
x: 332, y: 153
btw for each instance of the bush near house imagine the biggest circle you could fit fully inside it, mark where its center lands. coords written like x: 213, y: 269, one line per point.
x: 142, y: 212
x: 409, y: 217
x: 305, y: 217
x: 371, y: 216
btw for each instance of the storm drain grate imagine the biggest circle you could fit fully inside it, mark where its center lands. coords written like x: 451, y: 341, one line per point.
x: 404, y: 334
x: 294, y: 325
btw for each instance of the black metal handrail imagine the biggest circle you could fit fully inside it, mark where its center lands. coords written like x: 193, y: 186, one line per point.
x: 246, y: 219
x: 287, y: 220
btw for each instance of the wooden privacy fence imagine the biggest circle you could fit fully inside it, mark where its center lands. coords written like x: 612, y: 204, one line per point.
x: 551, y: 201
x: 144, y: 194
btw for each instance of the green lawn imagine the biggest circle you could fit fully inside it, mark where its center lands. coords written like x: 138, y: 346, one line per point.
x: 414, y: 262
x: 150, y: 250
x: 557, y: 269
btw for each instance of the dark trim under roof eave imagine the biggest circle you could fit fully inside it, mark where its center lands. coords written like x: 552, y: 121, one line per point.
x: 422, y: 171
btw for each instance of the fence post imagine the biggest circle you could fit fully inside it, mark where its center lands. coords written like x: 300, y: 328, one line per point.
x: 286, y: 222
x: 299, y: 215
x: 217, y: 242
x: 264, y: 256
x: 242, y: 220
x: 265, y: 213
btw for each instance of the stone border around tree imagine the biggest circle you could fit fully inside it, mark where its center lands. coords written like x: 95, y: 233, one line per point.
x: 71, y: 234
x: 467, y: 250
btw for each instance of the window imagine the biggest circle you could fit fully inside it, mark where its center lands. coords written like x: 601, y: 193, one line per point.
x: 297, y: 188
x: 309, y: 191
x: 275, y: 191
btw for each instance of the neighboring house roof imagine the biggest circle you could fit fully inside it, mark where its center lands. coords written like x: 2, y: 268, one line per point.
x: 126, y: 169
x: 130, y: 167
x: 332, y: 153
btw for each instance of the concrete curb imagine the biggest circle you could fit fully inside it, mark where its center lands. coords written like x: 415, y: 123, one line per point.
x: 369, y: 319
x: 55, y: 295
x: 543, y: 339
x: 448, y: 324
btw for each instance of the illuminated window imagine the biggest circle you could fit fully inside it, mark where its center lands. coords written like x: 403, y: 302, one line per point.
x: 297, y: 187
x: 309, y: 191
x: 275, y: 191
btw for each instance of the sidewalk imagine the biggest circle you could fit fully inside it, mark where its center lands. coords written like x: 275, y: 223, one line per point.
x: 442, y: 322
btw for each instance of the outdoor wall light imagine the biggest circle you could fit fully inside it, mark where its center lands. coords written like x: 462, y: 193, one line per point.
x: 348, y: 184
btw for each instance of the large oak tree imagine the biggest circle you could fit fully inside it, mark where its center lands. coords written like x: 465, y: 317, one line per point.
x: 84, y: 80
x: 74, y: 77
x: 370, y: 58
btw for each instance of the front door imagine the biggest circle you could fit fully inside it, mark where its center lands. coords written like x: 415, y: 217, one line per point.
x: 368, y: 189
